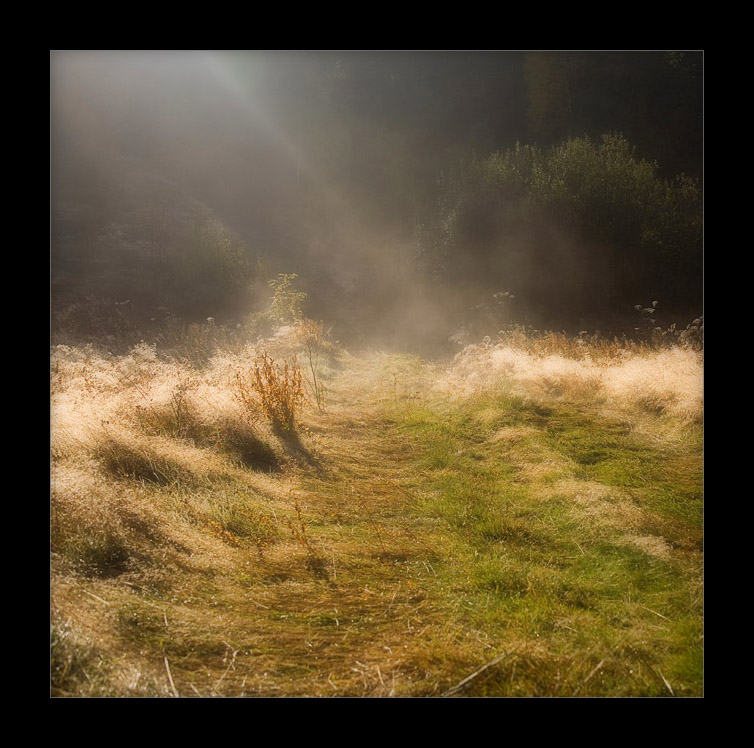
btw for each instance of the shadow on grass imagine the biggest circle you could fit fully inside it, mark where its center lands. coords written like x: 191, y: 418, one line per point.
x: 291, y: 441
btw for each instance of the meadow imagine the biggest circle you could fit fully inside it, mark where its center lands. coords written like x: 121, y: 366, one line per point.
x: 285, y: 518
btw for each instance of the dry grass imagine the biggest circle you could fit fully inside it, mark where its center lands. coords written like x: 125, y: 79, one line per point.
x: 314, y: 339
x: 665, y: 381
x: 193, y: 556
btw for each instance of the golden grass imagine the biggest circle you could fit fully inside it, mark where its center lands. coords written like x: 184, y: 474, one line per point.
x: 665, y: 381
x: 118, y: 453
x: 182, y: 565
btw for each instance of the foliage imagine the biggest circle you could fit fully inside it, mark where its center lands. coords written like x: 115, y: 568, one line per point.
x: 285, y: 307
x: 653, y: 334
x: 211, y: 274
x: 574, y: 92
x: 194, y: 343
x: 598, y: 217
x: 96, y: 319
x: 134, y: 274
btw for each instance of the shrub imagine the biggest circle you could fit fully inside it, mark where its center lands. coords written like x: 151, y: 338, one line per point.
x: 598, y: 217
x: 193, y: 343
x: 276, y: 391
x: 655, y: 336
x: 211, y: 272
x: 285, y: 307
x: 95, y: 319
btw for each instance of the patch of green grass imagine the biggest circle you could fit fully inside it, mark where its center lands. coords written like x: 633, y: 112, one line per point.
x: 590, y: 441
x: 662, y: 478
x: 230, y: 509
x: 524, y: 566
x: 237, y: 513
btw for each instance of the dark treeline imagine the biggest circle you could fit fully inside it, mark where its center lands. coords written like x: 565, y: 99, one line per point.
x: 405, y: 189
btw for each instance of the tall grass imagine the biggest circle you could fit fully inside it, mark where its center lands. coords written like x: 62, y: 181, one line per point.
x: 313, y: 337
x: 442, y: 531
x: 615, y: 374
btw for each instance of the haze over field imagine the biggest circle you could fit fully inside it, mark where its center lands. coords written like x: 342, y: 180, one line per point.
x: 405, y: 189
x: 376, y: 374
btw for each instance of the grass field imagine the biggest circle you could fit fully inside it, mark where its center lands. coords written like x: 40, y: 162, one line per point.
x: 526, y: 520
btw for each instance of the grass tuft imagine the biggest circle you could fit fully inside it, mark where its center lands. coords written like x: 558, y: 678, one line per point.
x: 77, y: 666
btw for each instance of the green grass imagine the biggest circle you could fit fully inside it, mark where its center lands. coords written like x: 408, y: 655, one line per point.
x: 524, y: 564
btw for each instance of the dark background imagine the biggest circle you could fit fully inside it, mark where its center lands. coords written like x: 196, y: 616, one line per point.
x: 404, y: 189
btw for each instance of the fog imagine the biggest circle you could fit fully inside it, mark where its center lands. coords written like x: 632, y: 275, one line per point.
x: 333, y: 166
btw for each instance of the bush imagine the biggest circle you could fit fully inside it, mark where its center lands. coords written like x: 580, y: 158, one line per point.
x: 211, y: 273
x: 597, y: 219
x: 277, y: 391
x: 96, y: 319
x: 285, y: 307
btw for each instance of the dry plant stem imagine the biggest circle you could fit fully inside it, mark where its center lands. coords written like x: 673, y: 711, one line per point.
x: 170, y: 678
x: 298, y: 529
x: 665, y: 681
x: 593, y: 672
x: 471, y: 677
x: 312, y: 335
x: 178, y: 402
x: 654, y: 611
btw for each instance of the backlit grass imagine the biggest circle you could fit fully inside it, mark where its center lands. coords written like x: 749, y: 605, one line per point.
x: 580, y: 576
x: 490, y: 542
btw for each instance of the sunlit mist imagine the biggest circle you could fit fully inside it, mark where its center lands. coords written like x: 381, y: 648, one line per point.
x: 383, y: 180
x: 376, y: 374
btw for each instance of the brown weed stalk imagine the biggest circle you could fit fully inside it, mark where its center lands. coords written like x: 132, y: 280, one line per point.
x: 276, y: 391
x: 312, y: 336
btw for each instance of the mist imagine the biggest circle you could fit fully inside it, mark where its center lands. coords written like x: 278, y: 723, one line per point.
x: 371, y: 177
x: 376, y: 374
